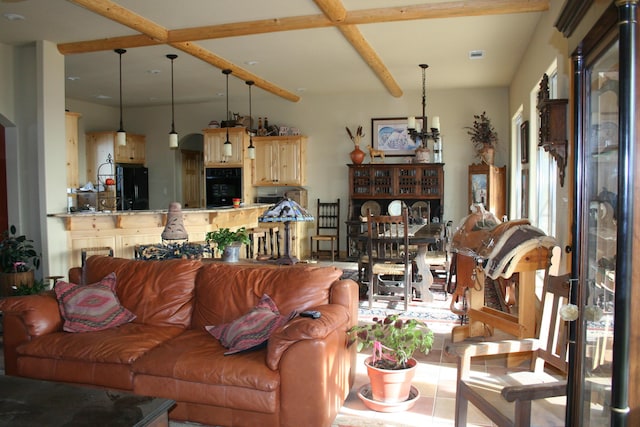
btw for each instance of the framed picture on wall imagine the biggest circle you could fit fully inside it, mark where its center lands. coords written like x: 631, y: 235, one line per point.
x: 391, y: 136
x: 524, y: 142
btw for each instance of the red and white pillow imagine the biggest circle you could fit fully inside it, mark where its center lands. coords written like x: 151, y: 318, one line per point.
x: 251, y: 330
x: 93, y: 307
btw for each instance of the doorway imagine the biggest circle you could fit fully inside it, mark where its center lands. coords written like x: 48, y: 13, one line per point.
x: 191, y: 179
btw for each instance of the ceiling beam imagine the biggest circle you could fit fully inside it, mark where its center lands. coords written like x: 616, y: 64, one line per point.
x: 218, y: 62
x: 335, y: 11
x: 152, y: 32
x: 455, y: 9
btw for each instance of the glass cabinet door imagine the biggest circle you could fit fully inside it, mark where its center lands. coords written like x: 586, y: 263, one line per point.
x: 597, y: 270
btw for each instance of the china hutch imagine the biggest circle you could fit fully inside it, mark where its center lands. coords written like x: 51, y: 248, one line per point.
x: 374, y: 186
x: 603, y: 386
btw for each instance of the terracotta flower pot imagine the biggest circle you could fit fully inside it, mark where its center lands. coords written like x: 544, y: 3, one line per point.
x: 357, y: 155
x: 391, y: 386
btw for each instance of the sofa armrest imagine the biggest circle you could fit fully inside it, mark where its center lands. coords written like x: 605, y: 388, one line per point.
x: 334, y: 317
x: 26, y: 317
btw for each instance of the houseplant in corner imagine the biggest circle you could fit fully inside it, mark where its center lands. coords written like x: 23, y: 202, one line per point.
x: 483, y: 137
x: 18, y: 261
x: 228, y: 242
x: 391, y: 366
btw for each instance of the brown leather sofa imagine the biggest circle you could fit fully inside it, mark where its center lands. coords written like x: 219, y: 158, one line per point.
x: 302, y: 377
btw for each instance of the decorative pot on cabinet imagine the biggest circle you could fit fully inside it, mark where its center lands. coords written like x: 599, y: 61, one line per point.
x: 357, y: 155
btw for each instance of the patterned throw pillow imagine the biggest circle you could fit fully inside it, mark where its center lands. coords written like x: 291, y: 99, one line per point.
x: 92, y: 307
x: 251, y: 330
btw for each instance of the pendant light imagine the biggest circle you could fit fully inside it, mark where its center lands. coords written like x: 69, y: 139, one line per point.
x: 227, y: 144
x: 121, y: 136
x: 173, y: 135
x: 251, y: 150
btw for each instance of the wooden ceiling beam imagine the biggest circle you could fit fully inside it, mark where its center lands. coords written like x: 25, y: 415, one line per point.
x: 221, y: 63
x: 335, y: 11
x: 126, y: 17
x: 455, y: 9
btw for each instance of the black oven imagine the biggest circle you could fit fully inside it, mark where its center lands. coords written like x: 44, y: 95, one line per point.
x: 222, y: 186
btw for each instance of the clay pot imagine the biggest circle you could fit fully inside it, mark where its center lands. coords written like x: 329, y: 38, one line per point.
x: 357, y: 155
x: 423, y: 155
x: 391, y: 385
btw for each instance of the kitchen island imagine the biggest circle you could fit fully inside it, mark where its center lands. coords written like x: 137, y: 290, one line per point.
x: 123, y: 230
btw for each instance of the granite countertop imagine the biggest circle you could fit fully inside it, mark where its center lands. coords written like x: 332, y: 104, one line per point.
x: 158, y: 211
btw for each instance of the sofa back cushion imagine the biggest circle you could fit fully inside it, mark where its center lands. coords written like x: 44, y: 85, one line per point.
x: 225, y: 291
x: 158, y: 292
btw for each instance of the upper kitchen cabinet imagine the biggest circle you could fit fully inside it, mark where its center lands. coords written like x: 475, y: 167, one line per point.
x: 280, y: 161
x: 71, y: 131
x: 133, y: 152
x: 100, y: 145
x: 214, y: 140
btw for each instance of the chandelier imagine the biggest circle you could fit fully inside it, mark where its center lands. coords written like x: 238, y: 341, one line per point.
x: 419, y: 132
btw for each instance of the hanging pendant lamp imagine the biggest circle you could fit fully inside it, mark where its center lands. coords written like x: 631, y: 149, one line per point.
x: 121, y: 136
x: 227, y: 144
x: 173, y: 135
x: 251, y: 150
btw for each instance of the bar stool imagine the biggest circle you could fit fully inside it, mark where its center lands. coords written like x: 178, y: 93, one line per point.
x: 97, y: 250
x: 257, y: 238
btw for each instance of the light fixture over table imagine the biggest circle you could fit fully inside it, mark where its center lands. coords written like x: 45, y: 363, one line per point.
x: 250, y: 149
x: 420, y: 135
x: 121, y: 136
x: 227, y: 144
x: 173, y: 135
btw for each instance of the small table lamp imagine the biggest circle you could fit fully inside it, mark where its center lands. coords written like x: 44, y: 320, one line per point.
x: 286, y: 211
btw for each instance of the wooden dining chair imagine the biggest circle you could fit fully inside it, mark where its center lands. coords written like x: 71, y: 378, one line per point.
x: 327, y: 228
x: 390, y: 262
x: 510, y: 399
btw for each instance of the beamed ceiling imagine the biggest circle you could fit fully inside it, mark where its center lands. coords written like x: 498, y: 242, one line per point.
x: 289, y: 48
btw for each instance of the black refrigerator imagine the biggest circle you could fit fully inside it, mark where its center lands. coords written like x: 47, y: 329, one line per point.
x: 132, y: 185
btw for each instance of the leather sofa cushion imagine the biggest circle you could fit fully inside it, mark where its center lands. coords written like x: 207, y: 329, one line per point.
x: 241, y: 381
x: 158, y: 292
x: 227, y: 291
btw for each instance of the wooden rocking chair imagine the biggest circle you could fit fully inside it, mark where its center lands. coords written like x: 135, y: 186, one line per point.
x: 507, y: 399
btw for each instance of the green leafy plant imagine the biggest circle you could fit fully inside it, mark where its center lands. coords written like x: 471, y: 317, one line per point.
x: 394, y: 341
x: 24, y: 289
x: 482, y: 132
x: 223, y: 237
x: 17, y: 253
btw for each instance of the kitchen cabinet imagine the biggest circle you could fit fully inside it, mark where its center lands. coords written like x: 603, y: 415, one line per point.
x: 602, y: 386
x: 71, y: 132
x: 133, y: 152
x: 487, y: 185
x: 280, y: 161
x: 214, y: 140
x: 101, y: 145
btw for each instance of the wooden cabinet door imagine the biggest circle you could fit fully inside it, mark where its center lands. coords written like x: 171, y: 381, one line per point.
x: 487, y: 186
x: 214, y: 140
x: 99, y: 146
x: 280, y: 160
x: 71, y: 131
x: 265, y: 166
x: 133, y: 152
x: 290, y: 163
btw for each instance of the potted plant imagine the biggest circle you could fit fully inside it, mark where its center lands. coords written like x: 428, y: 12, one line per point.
x: 483, y: 137
x: 228, y: 242
x: 392, y: 366
x: 18, y: 260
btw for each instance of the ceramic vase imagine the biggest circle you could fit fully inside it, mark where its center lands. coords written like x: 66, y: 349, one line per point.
x: 423, y: 155
x: 487, y: 154
x: 357, y: 155
x: 391, y: 385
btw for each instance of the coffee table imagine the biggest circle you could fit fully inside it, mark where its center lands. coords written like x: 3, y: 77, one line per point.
x: 26, y: 402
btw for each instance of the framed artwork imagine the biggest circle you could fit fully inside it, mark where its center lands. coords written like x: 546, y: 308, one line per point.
x: 524, y: 142
x: 478, y: 188
x: 524, y: 202
x: 391, y: 136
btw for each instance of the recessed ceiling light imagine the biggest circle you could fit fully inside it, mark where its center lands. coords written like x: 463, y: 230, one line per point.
x: 103, y: 97
x: 251, y: 62
x: 73, y: 78
x: 13, y: 17
x: 153, y: 71
x: 301, y: 89
x: 219, y: 94
x: 476, y: 54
